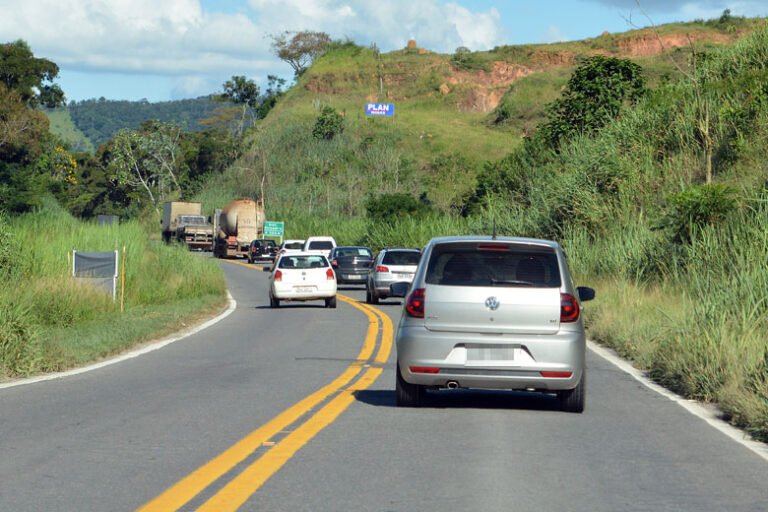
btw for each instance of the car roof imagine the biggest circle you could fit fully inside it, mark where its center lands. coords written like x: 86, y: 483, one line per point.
x: 295, y: 254
x: 351, y: 247
x: 487, y: 238
x: 412, y: 249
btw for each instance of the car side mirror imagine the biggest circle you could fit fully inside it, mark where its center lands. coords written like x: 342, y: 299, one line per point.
x: 399, y: 289
x: 585, y: 293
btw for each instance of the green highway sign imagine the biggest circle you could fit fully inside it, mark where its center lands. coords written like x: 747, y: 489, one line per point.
x: 273, y: 228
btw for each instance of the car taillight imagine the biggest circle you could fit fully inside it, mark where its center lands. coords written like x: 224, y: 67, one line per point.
x: 414, y: 305
x: 569, y: 308
x: 335, y: 262
x: 278, y: 275
x: 381, y: 268
x: 329, y: 274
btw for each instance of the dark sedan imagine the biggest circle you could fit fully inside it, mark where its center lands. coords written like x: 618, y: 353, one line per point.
x: 262, y: 249
x: 351, y: 264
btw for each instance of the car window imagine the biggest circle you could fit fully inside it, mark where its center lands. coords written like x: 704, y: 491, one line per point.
x: 401, y: 258
x: 356, y: 251
x: 310, y: 261
x: 493, y: 265
x: 320, y: 245
x: 294, y: 245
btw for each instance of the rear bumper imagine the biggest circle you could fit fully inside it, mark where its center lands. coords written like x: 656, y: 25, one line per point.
x: 529, y: 355
x: 351, y: 276
x: 382, y: 285
x: 289, y: 292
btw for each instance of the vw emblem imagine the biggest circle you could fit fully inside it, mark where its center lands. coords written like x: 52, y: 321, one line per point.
x: 492, y: 303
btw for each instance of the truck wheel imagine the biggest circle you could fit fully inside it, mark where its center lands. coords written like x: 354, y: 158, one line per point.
x: 330, y: 302
x: 273, y: 302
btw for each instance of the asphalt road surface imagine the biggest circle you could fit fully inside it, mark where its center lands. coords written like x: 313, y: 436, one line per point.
x: 293, y: 410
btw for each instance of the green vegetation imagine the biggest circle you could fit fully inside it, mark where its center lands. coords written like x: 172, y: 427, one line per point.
x: 100, y: 119
x: 49, y: 323
x: 62, y: 126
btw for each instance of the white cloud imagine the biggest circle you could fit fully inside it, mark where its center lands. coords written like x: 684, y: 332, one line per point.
x: 436, y: 25
x: 199, y: 47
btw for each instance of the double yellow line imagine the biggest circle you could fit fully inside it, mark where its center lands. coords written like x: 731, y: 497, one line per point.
x: 299, y: 420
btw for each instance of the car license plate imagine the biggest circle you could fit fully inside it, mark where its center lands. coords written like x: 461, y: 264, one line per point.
x: 490, y: 354
x: 304, y: 289
x: 354, y: 276
x: 401, y: 275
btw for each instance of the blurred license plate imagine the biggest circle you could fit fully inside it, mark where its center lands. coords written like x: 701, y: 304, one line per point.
x: 354, y: 276
x: 401, y: 275
x: 304, y: 289
x: 490, y: 354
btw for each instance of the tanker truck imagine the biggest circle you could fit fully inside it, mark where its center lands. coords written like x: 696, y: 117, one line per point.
x: 183, y: 222
x: 241, y: 221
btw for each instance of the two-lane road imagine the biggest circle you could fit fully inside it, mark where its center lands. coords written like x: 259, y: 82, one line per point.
x: 293, y: 409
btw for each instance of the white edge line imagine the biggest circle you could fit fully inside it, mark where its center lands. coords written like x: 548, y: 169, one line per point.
x: 709, y: 415
x: 128, y: 355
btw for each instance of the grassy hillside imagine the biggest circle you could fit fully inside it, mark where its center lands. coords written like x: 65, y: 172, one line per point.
x: 674, y: 253
x: 61, y: 124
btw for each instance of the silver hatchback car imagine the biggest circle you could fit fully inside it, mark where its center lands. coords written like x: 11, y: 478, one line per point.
x: 492, y: 313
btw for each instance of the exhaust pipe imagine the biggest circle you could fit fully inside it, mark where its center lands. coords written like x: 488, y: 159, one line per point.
x: 452, y: 384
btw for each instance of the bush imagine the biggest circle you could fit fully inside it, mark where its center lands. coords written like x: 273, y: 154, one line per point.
x: 389, y: 207
x: 328, y: 125
x: 696, y: 207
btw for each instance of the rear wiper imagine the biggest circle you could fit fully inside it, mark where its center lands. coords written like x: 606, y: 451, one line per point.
x: 511, y: 282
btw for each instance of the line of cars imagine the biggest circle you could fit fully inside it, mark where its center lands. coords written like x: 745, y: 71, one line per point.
x: 478, y: 312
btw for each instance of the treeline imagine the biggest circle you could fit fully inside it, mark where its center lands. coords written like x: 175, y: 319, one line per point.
x: 100, y: 119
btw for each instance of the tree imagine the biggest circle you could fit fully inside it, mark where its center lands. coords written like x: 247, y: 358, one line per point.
x: 244, y: 92
x: 20, y: 71
x: 595, y: 94
x: 329, y: 124
x: 148, y: 160
x: 299, y: 49
x: 271, y: 95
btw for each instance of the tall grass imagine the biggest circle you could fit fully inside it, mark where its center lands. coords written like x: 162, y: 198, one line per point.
x: 44, y: 313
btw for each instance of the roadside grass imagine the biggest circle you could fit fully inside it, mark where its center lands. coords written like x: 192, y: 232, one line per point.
x: 47, y: 321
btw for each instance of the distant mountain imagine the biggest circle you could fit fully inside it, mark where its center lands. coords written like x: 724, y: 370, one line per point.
x: 100, y: 119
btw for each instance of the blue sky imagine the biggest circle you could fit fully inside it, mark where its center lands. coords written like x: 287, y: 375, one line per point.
x: 173, y: 49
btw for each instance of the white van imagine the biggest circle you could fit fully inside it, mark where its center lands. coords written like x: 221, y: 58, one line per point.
x: 319, y: 245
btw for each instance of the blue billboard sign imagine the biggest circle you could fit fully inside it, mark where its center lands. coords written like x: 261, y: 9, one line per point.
x: 380, y: 109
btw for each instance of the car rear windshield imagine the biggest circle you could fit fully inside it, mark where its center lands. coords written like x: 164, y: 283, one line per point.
x: 320, y: 245
x: 353, y: 251
x: 493, y: 264
x: 294, y: 245
x: 401, y: 258
x: 303, y: 262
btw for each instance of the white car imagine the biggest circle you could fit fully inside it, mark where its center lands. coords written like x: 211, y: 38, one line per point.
x: 320, y: 245
x: 289, y: 246
x: 301, y: 277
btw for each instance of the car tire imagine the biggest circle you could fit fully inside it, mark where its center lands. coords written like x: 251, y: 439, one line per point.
x: 572, y: 400
x: 274, y: 303
x: 330, y: 302
x: 406, y: 394
x: 374, y: 297
x: 367, y: 294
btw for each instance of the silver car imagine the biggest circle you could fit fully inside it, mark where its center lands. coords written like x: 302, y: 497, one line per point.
x: 391, y: 265
x: 492, y: 313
